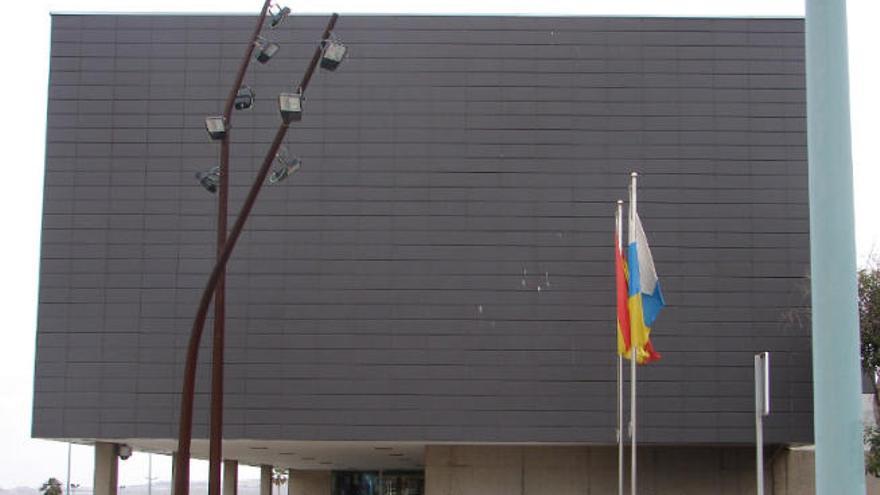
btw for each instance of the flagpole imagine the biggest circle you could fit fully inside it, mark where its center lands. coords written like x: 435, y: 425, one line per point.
x: 618, y: 223
x: 632, y: 343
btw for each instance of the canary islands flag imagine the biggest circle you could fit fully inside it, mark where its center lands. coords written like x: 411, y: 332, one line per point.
x: 645, y: 297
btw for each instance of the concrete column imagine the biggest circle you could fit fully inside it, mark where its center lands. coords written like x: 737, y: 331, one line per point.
x: 265, y: 480
x: 173, y: 472
x: 289, y: 481
x: 106, y: 468
x: 793, y: 471
x: 230, y: 477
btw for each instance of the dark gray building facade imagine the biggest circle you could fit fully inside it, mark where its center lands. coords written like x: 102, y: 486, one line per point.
x: 440, y: 273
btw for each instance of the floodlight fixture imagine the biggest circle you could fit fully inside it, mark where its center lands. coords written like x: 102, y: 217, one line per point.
x: 332, y: 53
x: 290, y: 105
x: 286, y: 165
x: 278, y: 15
x: 210, y: 180
x: 265, y: 49
x: 244, y: 99
x: 216, y: 126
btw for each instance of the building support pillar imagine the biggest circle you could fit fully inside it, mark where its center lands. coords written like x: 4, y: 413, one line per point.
x: 265, y: 480
x: 836, y: 373
x: 230, y: 477
x: 173, y: 469
x: 106, y: 468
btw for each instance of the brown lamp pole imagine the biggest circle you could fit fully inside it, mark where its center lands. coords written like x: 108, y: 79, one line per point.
x: 184, y: 440
x: 216, y: 433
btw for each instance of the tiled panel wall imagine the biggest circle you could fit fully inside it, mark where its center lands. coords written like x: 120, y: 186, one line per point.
x: 441, y: 268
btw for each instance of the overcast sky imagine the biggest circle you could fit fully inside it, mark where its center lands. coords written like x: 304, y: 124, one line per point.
x: 25, y: 50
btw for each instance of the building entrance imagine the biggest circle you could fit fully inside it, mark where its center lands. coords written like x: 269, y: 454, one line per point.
x: 378, y: 482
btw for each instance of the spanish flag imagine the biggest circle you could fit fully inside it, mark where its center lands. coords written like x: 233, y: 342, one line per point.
x: 623, y: 338
x: 645, y: 298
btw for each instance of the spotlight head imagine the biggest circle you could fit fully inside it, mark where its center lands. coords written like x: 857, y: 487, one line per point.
x: 278, y: 15
x: 285, y: 166
x: 210, y: 179
x: 266, y: 50
x: 244, y: 99
x: 332, y: 53
x: 290, y: 105
x: 216, y: 126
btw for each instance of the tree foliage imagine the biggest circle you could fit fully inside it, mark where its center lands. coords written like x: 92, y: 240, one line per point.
x: 279, y: 477
x: 872, y: 457
x: 869, y: 329
x: 51, y: 487
x: 869, y: 318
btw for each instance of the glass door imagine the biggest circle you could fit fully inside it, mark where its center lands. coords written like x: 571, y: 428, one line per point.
x: 378, y: 482
x: 403, y: 483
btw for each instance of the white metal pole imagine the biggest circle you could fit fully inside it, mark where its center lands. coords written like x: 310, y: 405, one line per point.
x: 759, y: 421
x: 150, y: 474
x: 618, y: 223
x: 67, y: 489
x: 633, y: 362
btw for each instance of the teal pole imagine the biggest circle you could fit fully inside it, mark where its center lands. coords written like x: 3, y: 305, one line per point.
x: 836, y: 369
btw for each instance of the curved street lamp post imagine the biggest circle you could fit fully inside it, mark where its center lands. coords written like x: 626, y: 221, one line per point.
x: 216, y: 281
